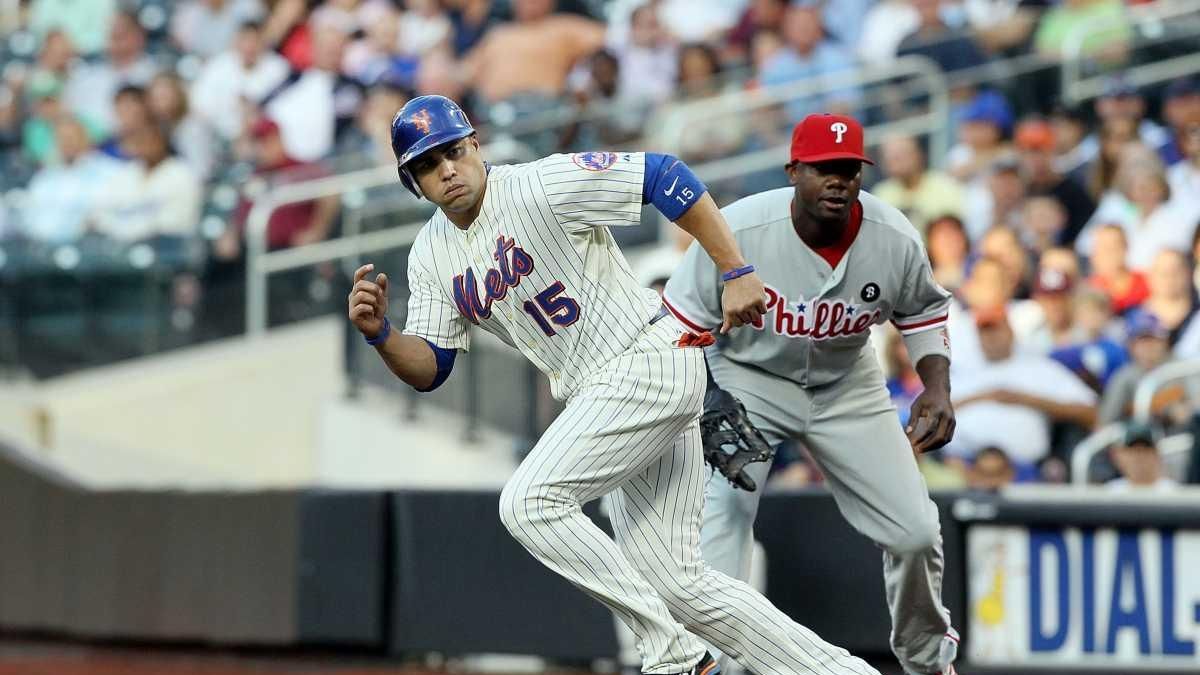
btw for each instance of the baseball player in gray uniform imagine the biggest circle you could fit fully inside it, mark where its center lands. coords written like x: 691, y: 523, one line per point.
x: 524, y: 252
x: 835, y: 261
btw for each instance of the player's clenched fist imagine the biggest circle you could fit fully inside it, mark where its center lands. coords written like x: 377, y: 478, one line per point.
x: 743, y: 301
x: 368, y: 301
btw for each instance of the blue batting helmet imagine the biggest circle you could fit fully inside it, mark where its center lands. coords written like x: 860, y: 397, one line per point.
x: 425, y: 122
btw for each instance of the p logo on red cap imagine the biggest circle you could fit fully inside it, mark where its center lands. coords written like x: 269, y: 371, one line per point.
x: 825, y: 137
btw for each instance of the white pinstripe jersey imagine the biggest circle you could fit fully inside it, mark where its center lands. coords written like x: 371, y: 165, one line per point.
x: 538, y: 268
x: 818, y: 316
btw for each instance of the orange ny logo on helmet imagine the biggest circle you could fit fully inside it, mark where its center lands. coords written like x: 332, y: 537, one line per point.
x: 422, y: 121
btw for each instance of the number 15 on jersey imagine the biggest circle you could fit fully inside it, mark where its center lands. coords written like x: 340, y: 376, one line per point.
x: 552, y: 307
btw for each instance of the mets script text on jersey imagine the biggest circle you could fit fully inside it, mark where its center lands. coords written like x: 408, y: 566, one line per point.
x: 514, y: 264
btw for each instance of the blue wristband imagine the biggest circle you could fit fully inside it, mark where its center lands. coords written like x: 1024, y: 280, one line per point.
x: 738, y: 272
x: 383, y: 334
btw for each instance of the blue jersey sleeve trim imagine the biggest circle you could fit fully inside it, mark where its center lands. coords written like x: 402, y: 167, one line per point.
x: 445, y: 364
x: 654, y: 166
x: 670, y: 185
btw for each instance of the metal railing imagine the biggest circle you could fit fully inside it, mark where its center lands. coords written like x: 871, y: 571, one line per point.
x: 675, y: 122
x: 776, y: 157
x: 260, y: 263
x: 1155, y: 381
x: 1169, y: 446
x: 502, y: 120
x: 1174, y: 450
x: 1096, y: 443
x: 1150, y: 20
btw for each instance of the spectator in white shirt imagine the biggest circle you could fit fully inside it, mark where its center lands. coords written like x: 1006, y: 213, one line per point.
x: 91, y: 88
x: 1152, y: 219
x: 241, y: 76
x: 1140, y: 464
x: 62, y: 196
x: 884, y: 27
x: 157, y: 194
x: 208, y: 27
x: 648, y: 61
x: 696, y: 20
x: 1012, y: 400
x: 424, y: 27
x: 318, y: 102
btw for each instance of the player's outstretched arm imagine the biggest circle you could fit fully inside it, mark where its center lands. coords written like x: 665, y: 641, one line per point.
x: 744, y: 299
x: 409, y: 357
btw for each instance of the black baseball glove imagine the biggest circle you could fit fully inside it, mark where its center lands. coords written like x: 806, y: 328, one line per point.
x: 723, y: 425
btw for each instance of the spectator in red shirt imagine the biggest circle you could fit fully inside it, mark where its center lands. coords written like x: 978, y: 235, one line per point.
x: 759, y: 16
x: 1126, y: 288
x: 290, y: 294
x: 291, y: 224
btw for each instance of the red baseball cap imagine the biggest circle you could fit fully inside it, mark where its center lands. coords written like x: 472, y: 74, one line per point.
x: 1034, y: 135
x: 824, y: 137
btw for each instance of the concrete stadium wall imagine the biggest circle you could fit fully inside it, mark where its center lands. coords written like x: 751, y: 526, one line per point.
x: 235, y: 413
x: 413, y: 572
x: 253, y: 414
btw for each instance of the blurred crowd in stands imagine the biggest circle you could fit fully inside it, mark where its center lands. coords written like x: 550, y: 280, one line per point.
x: 136, y: 136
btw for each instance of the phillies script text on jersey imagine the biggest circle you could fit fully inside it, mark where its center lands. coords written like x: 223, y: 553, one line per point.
x: 514, y: 264
x: 820, y: 319
x: 819, y: 310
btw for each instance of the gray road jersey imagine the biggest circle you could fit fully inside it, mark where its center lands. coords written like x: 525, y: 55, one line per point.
x: 818, y: 317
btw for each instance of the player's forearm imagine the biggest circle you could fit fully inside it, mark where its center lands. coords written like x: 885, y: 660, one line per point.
x: 409, y: 358
x: 705, y: 222
x: 934, y: 371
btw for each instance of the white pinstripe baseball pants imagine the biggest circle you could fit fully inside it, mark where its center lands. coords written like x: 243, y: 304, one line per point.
x: 632, y: 433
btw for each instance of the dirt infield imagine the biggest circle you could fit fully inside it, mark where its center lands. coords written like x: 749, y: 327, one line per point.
x: 50, y: 657
x: 65, y: 658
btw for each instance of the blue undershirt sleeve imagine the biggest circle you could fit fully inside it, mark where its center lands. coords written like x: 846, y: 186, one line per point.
x: 670, y: 185
x: 445, y: 363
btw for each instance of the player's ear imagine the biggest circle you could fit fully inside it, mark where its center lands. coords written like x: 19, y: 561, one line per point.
x: 793, y: 173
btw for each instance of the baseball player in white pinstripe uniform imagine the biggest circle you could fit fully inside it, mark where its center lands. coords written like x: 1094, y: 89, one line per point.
x: 835, y: 262
x: 524, y: 252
